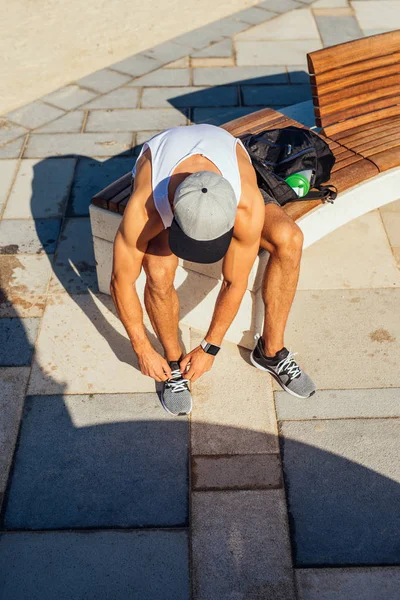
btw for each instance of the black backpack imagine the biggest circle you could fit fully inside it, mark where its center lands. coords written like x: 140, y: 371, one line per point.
x: 278, y: 153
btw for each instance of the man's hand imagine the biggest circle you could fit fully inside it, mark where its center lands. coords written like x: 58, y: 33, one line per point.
x: 154, y: 365
x: 200, y: 363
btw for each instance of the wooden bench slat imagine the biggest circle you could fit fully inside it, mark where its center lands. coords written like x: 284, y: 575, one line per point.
x: 353, y: 174
x: 390, y: 140
x: 365, y: 133
x: 388, y: 159
x: 112, y: 190
x: 357, y: 73
x: 367, y: 109
x: 349, y: 160
x: 349, y: 53
x: 122, y: 205
x: 379, y: 88
x: 346, y: 125
x: 114, y: 202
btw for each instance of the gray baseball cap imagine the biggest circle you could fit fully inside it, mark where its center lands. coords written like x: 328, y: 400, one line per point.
x: 204, y: 208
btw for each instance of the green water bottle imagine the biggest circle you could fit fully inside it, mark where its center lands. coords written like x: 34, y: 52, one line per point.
x: 300, y: 182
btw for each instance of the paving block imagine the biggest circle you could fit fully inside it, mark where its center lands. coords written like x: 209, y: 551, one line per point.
x: 10, y: 131
x: 28, y: 236
x: 228, y: 26
x: 74, y: 264
x: 218, y: 116
x: 125, y: 97
x: 275, y: 95
x: 165, y: 76
x: 379, y: 583
x: 144, y: 136
x: 182, y: 97
x: 339, y: 260
x: 220, y: 49
x: 391, y: 207
x: 7, y: 174
x: 254, y: 15
x: 337, y: 30
x: 240, y: 545
x: 99, y: 461
x: 91, y: 176
x: 355, y: 331
x: 134, y: 119
x: 280, y: 6
x: 95, y: 565
x: 69, y: 97
x: 391, y: 221
x: 382, y: 14
x: 90, y: 144
x: 294, y: 25
x: 13, y: 382
x: 136, y: 65
x: 68, y: 357
x: 246, y: 472
x: 339, y: 404
x: 213, y: 62
x: 41, y: 189
x: 330, y: 4
x: 12, y: 149
x: 285, y: 52
x: 298, y: 73
x: 244, y: 412
x: 70, y: 123
x: 239, y: 75
x: 35, y: 114
x: 200, y: 37
x: 181, y: 63
x: 23, y: 285
x: 168, y: 51
x: 103, y: 81
x: 343, y: 489
x: 396, y: 254
x: 18, y: 337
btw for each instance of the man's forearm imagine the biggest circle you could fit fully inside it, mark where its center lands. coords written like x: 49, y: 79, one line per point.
x: 130, y: 312
x: 226, y: 308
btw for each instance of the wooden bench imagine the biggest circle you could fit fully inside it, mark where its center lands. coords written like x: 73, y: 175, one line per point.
x: 356, y: 101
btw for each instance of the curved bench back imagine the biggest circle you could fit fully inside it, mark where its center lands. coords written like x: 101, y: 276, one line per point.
x: 356, y: 82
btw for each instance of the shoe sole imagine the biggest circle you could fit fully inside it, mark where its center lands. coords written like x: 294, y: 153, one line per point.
x: 181, y: 414
x: 274, y: 375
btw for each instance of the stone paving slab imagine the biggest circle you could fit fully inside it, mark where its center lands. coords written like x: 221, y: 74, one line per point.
x: 10, y: 131
x: 136, y: 65
x: 294, y: 25
x: 124, y: 97
x: 17, y: 341
x: 181, y: 97
x: 41, y: 189
x: 72, y: 122
x: 218, y: 116
x: 379, y: 14
x: 23, y: 284
x: 338, y: 29
x: 7, y: 173
x: 391, y: 221
x: 339, y: 404
x: 13, y: 382
x: 93, y: 356
x: 342, y: 584
x: 69, y: 97
x: 99, y: 461
x: 240, y: 545
x: 103, y: 81
x: 240, y: 75
x: 238, y: 398
x: 286, y: 52
x: 92, y: 175
x: 352, y: 331
x: 96, y: 565
x: 343, y: 486
x: 246, y: 472
x: 275, y: 95
x: 34, y: 114
x: 340, y: 260
x: 164, y: 77
x: 49, y: 145
x: 133, y: 119
x: 220, y: 49
x: 74, y: 267
x: 28, y: 236
x: 12, y: 149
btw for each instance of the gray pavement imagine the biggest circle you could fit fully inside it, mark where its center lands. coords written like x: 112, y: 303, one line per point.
x: 257, y: 495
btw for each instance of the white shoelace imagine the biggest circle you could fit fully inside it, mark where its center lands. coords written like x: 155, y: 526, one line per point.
x: 289, y: 365
x: 177, y: 386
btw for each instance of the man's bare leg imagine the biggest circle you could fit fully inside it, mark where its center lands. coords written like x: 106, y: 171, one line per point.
x: 284, y: 240
x: 160, y: 297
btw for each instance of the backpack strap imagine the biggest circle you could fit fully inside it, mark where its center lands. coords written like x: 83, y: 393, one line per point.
x: 326, y: 193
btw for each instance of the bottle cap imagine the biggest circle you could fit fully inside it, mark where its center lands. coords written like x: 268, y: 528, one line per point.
x: 299, y: 183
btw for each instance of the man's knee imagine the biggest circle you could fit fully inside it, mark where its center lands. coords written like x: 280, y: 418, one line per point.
x: 287, y: 238
x: 160, y: 274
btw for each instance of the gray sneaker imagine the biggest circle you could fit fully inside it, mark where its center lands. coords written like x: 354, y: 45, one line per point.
x: 284, y: 369
x: 175, y: 395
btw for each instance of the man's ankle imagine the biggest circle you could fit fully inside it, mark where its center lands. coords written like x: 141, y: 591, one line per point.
x: 271, y: 350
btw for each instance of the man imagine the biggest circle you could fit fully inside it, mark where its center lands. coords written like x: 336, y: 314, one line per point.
x: 196, y: 197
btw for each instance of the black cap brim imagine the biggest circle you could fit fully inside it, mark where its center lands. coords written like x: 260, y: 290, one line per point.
x: 205, y: 252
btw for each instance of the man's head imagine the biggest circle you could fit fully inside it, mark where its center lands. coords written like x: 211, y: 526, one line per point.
x: 204, y: 214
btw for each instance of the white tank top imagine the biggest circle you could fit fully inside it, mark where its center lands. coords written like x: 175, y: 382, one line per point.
x: 172, y: 146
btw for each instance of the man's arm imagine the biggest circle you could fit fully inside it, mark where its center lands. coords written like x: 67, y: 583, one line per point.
x: 140, y: 224
x: 237, y: 265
